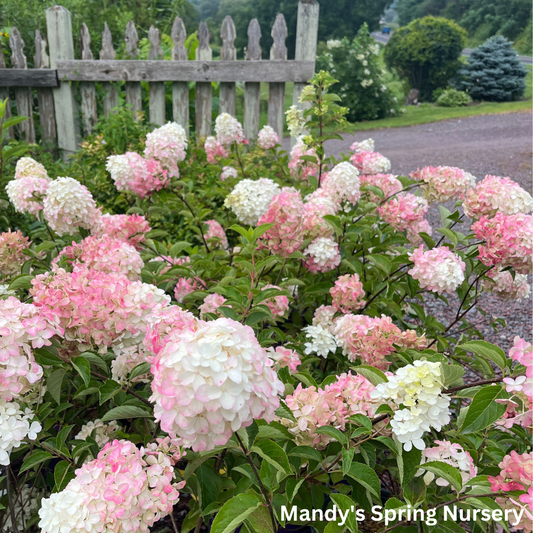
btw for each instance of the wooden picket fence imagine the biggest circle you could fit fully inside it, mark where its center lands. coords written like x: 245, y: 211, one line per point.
x: 58, y: 75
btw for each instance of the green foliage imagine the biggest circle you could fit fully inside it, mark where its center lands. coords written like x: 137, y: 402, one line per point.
x: 494, y: 72
x: 357, y: 68
x: 481, y: 18
x: 426, y: 53
x: 452, y: 98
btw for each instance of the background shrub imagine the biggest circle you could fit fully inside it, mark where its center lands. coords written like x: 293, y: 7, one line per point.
x: 356, y: 66
x: 453, y: 98
x: 426, y: 53
x: 494, y: 72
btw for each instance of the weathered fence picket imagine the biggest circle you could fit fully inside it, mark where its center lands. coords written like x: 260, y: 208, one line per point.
x: 157, y: 89
x: 89, y: 113
x: 252, y: 90
x: 180, y: 89
x: 133, y: 88
x: 22, y: 94
x: 61, y: 46
x: 227, y: 53
x: 58, y: 76
x: 108, y: 52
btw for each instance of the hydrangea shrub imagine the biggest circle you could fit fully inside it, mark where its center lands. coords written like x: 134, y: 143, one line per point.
x: 270, y: 348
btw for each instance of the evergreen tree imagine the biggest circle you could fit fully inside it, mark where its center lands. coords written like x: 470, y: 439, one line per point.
x: 494, y: 72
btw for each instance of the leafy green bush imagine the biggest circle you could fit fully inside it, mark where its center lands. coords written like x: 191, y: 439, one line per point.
x: 494, y: 72
x: 426, y: 53
x: 452, y: 98
x: 356, y: 66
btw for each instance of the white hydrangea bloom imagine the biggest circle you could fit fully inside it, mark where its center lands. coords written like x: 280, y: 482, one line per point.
x: 168, y: 145
x: 324, y: 316
x: 5, y: 292
x: 418, y: 389
x: 295, y: 121
x: 267, y: 138
x: 15, y: 426
x: 228, y: 129
x: 333, y: 43
x: 324, y: 252
x: 322, y: 342
x: 363, y: 146
x: 68, y: 205
x: 28, y: 167
x: 342, y: 183
x: 250, y: 199
x: 66, y: 512
x: 103, y: 434
x: 211, y: 380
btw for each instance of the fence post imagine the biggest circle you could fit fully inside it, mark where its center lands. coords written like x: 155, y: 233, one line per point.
x: 203, y: 89
x: 133, y: 88
x: 89, y: 113
x: 108, y: 52
x: 156, y: 89
x: 4, y: 93
x: 61, y: 45
x: 180, y: 89
x: 252, y: 90
x: 44, y: 94
x: 22, y: 94
x: 306, y: 40
x: 276, y: 91
x: 227, y: 53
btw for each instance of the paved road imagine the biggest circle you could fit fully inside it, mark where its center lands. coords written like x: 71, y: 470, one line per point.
x: 383, y: 38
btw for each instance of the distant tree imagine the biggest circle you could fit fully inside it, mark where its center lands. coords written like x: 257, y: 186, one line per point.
x: 494, y: 72
x: 426, y: 53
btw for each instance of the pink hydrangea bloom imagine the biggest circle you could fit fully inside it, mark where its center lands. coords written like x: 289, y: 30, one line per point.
x: 413, y: 231
x: 342, y: 183
x: 299, y: 168
x: 505, y: 287
x: 211, y: 382
x: 497, y: 195
x: 216, y: 231
x: 12, y: 246
x: 285, y: 358
x: 278, y: 305
x: 318, y: 205
x: 129, y: 228
x: 167, y: 144
x: 332, y: 406
x: 132, y: 173
x: 124, y: 489
x: 22, y: 328
x: 162, y: 321
x: 105, y: 254
x: 388, y: 183
x: 347, y: 294
x: 522, y: 351
x: 373, y: 339
x: 214, y: 149
x: 516, y: 473
x: 322, y: 255
x: 403, y: 211
x: 452, y: 454
x: 267, y: 138
x: 440, y: 184
x: 96, y: 308
x: 363, y: 146
x: 185, y: 285
x: 439, y: 270
x: 370, y: 162
x: 228, y: 130
x: 228, y: 172
x: 211, y: 303
x: 313, y: 408
x: 27, y: 193
x: 286, y: 212
x: 69, y: 205
x: 508, y: 241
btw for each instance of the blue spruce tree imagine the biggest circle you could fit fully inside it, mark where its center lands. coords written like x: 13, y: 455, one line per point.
x: 494, y: 72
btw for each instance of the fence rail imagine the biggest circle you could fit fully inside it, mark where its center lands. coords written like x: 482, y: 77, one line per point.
x: 58, y: 77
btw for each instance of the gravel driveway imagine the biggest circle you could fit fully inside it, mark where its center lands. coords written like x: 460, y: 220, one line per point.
x: 489, y: 144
